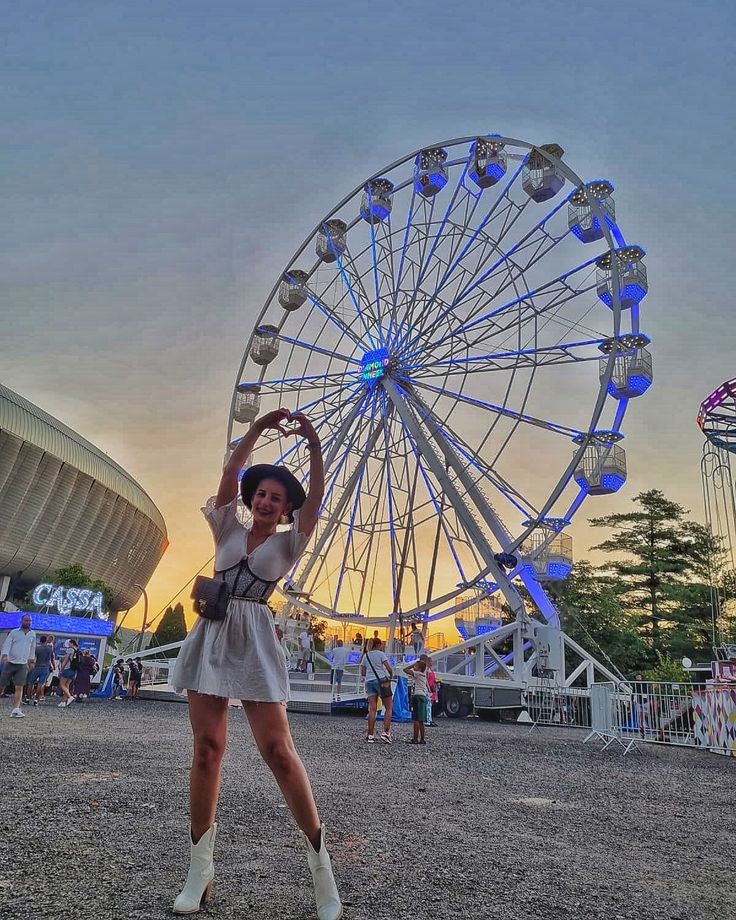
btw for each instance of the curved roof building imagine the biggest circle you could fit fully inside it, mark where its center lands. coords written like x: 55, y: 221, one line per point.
x: 63, y: 501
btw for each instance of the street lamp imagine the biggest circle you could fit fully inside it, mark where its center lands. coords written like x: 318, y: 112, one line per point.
x: 145, y: 617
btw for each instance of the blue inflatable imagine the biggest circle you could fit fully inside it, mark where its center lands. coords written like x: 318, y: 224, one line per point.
x: 401, y: 711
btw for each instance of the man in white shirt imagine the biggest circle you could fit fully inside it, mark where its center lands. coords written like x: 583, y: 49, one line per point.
x: 17, y: 656
x: 340, y: 655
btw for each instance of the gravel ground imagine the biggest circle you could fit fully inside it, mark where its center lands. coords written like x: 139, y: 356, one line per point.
x: 487, y: 821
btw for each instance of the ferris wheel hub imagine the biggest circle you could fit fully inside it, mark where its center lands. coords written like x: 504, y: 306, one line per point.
x: 376, y: 364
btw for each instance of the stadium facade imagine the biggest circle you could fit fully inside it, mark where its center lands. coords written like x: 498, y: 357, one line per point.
x: 63, y: 501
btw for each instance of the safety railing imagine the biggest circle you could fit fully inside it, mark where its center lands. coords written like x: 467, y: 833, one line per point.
x: 652, y: 712
x: 563, y: 706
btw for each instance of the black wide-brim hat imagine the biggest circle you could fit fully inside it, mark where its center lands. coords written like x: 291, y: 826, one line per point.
x: 295, y: 493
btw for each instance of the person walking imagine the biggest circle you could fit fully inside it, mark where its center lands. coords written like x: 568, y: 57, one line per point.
x: 45, y: 662
x: 68, y: 672
x: 378, y: 672
x: 17, y: 656
x: 340, y: 655
x: 238, y: 657
x: 83, y: 679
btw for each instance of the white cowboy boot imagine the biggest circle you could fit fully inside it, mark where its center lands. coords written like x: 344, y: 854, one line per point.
x: 198, y: 887
x: 329, y: 906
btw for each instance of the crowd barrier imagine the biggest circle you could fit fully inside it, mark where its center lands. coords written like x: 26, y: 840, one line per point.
x: 659, y: 712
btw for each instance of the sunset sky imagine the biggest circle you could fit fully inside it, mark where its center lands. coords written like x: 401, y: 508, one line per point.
x: 162, y: 160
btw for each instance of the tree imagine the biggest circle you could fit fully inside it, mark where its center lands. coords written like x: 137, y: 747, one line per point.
x: 661, y: 574
x: 318, y: 630
x: 592, y: 615
x: 172, y: 628
x: 74, y: 576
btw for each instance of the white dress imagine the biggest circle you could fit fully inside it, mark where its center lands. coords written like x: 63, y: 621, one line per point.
x: 240, y: 657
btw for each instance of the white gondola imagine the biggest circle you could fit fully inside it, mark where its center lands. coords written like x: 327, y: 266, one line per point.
x: 582, y: 219
x: 430, y: 173
x: 602, y: 469
x: 632, y: 374
x: 633, y: 284
x: 265, y: 345
x: 541, y: 179
x: 552, y: 562
x: 247, y: 405
x: 292, y: 291
x: 488, y: 163
x: 376, y: 203
x: 332, y: 240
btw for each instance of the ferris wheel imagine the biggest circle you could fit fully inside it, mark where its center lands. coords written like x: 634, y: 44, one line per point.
x: 463, y: 331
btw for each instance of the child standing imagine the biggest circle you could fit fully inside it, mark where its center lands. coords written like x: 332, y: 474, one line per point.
x: 419, y: 699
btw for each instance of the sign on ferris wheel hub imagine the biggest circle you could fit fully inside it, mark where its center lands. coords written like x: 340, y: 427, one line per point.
x: 463, y: 331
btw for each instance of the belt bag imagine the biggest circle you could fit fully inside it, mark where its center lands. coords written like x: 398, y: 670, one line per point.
x: 211, y: 597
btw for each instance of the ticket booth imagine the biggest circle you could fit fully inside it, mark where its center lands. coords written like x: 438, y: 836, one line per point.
x: 90, y: 633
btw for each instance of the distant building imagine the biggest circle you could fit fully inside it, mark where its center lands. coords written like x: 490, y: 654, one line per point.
x: 63, y: 501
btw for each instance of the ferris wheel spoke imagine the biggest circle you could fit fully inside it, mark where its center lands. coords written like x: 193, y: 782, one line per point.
x: 350, y: 287
x: 460, y: 188
x: 438, y: 503
x: 500, y: 263
x: 348, y: 538
x: 329, y: 526
x: 473, y: 459
x: 333, y: 317
x: 512, y: 280
x: 385, y: 269
x: 526, y: 298
x: 316, y: 349
x: 455, y: 260
x: 534, y: 324
x: 310, y: 382
x: 554, y: 427
x: 537, y: 356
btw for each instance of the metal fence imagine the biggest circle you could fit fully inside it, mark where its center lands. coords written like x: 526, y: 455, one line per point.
x: 565, y: 706
x: 660, y: 712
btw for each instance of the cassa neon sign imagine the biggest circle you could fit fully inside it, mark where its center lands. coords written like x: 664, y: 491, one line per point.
x: 67, y: 599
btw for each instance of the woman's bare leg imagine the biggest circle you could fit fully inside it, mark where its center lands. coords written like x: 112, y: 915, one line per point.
x: 372, y: 703
x: 270, y: 728
x: 388, y: 706
x: 208, y: 716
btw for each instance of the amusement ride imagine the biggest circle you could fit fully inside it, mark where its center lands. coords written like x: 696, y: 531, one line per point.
x: 717, y: 421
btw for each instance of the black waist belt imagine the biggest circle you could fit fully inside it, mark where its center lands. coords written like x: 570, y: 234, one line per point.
x: 242, y: 597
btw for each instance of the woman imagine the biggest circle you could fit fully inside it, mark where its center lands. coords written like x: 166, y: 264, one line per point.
x: 240, y: 658
x: 69, y: 666
x: 377, y: 670
x: 85, y: 671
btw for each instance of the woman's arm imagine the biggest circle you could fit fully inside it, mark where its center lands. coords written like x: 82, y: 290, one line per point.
x: 309, y: 511
x: 228, y: 489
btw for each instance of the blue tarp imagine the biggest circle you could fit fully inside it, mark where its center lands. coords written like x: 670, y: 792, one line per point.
x: 401, y: 712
